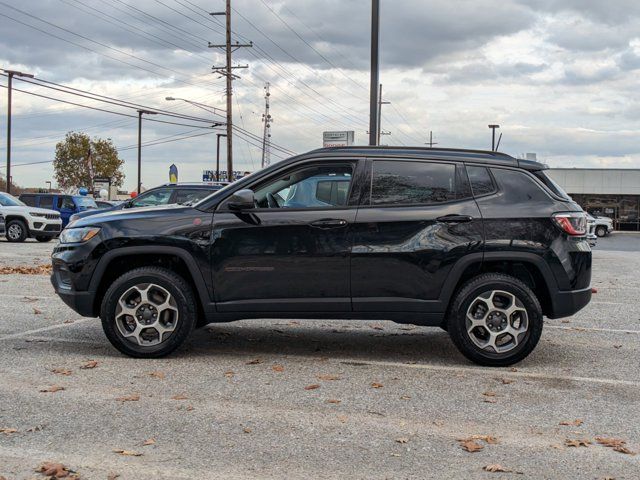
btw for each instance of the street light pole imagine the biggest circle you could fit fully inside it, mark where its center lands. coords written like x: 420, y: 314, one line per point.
x: 140, y: 113
x: 10, y: 75
x: 218, y: 155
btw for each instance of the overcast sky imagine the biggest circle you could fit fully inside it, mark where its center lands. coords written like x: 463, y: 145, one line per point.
x: 559, y: 76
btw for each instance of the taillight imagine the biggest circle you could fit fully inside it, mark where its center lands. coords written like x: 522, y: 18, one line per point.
x: 572, y: 223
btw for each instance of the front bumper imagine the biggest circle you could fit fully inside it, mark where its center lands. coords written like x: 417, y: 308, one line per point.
x: 80, y: 302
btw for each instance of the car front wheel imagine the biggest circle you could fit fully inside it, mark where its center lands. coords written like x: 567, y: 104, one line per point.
x: 148, y: 312
x: 495, y: 320
x: 601, y: 231
x: 16, y: 231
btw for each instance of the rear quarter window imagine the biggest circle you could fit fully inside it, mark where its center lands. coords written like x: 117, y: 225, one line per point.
x: 481, y: 181
x: 519, y: 186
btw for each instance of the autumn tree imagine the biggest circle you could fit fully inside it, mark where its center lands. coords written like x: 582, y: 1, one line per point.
x: 77, y: 155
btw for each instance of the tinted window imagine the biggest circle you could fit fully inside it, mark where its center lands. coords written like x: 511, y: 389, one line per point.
x: 520, y: 187
x: 551, y: 184
x: 66, y: 203
x: 481, y: 181
x: 26, y: 199
x: 193, y: 195
x: 46, y: 202
x: 333, y: 191
x: 160, y: 196
x: 399, y: 182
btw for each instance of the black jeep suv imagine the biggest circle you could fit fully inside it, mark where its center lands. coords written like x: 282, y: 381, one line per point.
x: 478, y: 243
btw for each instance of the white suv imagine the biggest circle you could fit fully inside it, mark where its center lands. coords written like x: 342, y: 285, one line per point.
x: 23, y: 221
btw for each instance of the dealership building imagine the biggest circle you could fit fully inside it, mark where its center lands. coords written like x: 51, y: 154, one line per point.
x: 609, y: 192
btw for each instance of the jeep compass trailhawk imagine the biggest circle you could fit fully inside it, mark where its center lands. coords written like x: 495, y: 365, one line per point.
x: 478, y: 243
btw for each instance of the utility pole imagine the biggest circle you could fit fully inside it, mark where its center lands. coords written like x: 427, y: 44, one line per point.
x: 493, y: 136
x: 373, y: 87
x: 218, y: 135
x: 266, y: 135
x: 140, y: 113
x: 10, y: 75
x: 227, y: 71
x: 431, y: 143
x: 380, y: 103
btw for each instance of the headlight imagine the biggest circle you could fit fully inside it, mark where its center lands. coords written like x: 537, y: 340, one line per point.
x: 78, y: 235
x: 36, y: 214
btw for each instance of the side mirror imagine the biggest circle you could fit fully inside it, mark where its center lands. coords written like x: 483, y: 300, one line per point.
x: 242, y: 200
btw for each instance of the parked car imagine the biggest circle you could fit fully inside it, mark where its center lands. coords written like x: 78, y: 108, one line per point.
x: 592, y: 238
x: 478, y: 243
x: 603, y: 225
x: 2, y: 226
x: 23, y: 221
x: 67, y: 205
x: 166, y: 194
x: 106, y: 204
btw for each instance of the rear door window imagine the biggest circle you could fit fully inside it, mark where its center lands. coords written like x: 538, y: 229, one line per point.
x: 399, y: 182
x: 29, y: 200
x: 46, y: 202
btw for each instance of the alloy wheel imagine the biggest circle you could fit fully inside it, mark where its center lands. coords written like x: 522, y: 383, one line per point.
x: 14, y: 232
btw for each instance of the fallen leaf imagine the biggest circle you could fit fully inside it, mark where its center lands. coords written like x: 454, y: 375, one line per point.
x: 577, y: 442
x: 405, y: 397
x: 151, y: 441
x: 496, y: 468
x: 617, y: 444
x: 333, y: 400
x: 573, y: 423
x: 54, y: 470
x: 470, y: 445
x: 490, y: 439
x: 61, y: 371
x: 343, y: 418
x: 68, y: 321
x: 328, y: 377
x: 29, y: 299
x: 113, y: 476
x: 489, y: 394
x: 37, y: 428
x: 254, y: 362
x: 617, y: 346
x: 44, y: 269
x: 312, y: 387
x: 8, y: 431
x: 490, y: 400
x: 402, y: 440
x: 376, y: 385
x: 89, y: 365
x: 277, y: 368
x: 180, y: 396
x: 594, y: 290
x: 129, y: 398
x: 36, y: 311
x: 229, y: 374
x: 506, y: 381
x: 157, y: 374
x: 246, y: 430
x: 127, y: 453
x: 52, y: 389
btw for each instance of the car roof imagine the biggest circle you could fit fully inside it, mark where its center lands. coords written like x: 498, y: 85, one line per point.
x: 205, y: 185
x: 456, y: 154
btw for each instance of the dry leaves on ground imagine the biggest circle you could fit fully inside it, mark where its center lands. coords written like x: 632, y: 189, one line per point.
x: 55, y: 470
x: 8, y: 431
x: 180, y: 396
x: 490, y: 439
x: 157, y: 374
x: 254, y: 362
x: 24, y: 270
x: 113, y: 476
x: 129, y: 398
x: 312, y: 387
x: 617, y: 444
x: 36, y: 311
x: 578, y: 442
x: 333, y: 400
x: 572, y: 423
x: 246, y: 430
x: 127, y: 453
x: 52, y: 389
x: 402, y: 440
x: 89, y: 365
x: 229, y: 374
x: 471, y: 444
x: 151, y: 441
x: 61, y: 371
x: 496, y: 467
x: 505, y: 381
x: 328, y: 377
x: 376, y: 385
x: 277, y: 368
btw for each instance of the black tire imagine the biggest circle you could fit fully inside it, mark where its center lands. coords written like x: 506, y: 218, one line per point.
x: 16, y: 231
x: 601, y: 231
x: 182, y: 294
x: 468, y: 294
x: 43, y: 238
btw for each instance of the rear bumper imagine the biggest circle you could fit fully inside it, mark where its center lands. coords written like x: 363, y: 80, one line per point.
x: 567, y: 303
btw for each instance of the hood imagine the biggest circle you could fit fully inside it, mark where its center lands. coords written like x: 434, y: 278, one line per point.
x: 117, y: 215
x: 22, y: 208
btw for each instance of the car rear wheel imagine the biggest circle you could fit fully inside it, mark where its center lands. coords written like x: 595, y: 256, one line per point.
x: 601, y: 231
x: 16, y: 231
x: 43, y: 238
x: 495, y: 320
x: 148, y: 312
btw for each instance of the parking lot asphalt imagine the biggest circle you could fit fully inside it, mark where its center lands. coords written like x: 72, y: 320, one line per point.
x: 319, y: 399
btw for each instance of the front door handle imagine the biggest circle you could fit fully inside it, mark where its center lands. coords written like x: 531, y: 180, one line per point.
x: 327, y: 223
x: 453, y: 218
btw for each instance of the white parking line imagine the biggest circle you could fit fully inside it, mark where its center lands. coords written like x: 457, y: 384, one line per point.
x: 46, y: 329
x: 592, y: 329
x: 494, y: 372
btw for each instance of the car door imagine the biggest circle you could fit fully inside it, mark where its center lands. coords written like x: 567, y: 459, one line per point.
x: 290, y: 253
x: 66, y: 207
x: 415, y: 222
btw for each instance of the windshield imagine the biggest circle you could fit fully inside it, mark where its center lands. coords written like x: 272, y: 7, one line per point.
x: 7, y: 200
x: 86, y: 202
x: 551, y: 184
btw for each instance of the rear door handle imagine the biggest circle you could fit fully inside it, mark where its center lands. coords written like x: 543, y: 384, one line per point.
x: 327, y: 223
x: 453, y: 218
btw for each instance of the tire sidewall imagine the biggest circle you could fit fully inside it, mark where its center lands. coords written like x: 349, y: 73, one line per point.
x: 458, y: 330
x: 601, y: 231
x: 180, y: 291
x: 23, y: 231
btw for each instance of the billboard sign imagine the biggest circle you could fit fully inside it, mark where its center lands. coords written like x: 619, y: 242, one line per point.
x: 337, y: 139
